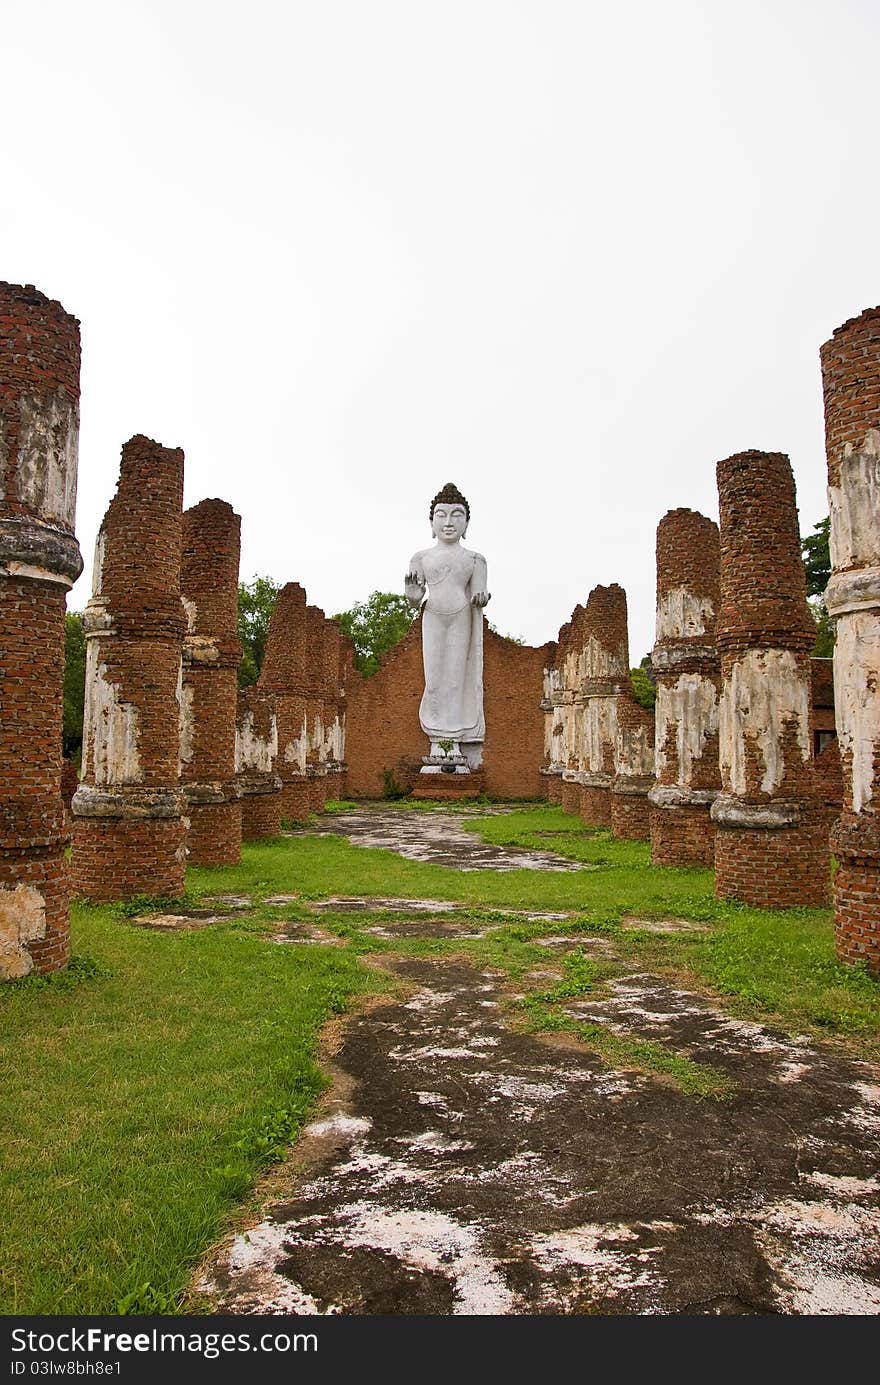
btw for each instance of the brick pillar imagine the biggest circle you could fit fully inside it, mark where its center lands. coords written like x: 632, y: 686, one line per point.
x: 570, y: 711
x: 129, y: 833
x: 331, y: 752
x: 316, y: 764
x: 284, y: 675
x: 605, y: 675
x: 39, y: 561
x: 256, y: 751
x: 211, y: 655
x: 555, y: 754
x: 634, y: 765
x: 851, y: 382
x: 688, y: 674
x: 771, y: 844
x: 344, y: 671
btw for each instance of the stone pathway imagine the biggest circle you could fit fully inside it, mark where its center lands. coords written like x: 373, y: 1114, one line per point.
x: 459, y: 1166
x: 437, y: 837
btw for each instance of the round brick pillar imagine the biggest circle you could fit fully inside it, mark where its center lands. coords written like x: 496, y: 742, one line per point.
x: 603, y: 652
x: 688, y: 675
x: 284, y: 675
x: 129, y: 833
x: 634, y: 779
x: 39, y: 561
x: 771, y: 844
x: 851, y: 384
x: 555, y: 750
x: 211, y: 655
x: 256, y: 751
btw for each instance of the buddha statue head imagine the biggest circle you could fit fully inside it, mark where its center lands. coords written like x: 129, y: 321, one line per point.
x: 449, y: 514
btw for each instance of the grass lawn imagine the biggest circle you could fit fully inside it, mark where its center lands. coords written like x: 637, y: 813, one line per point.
x: 145, y: 1089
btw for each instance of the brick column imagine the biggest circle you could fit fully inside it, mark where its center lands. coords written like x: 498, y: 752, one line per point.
x: 340, y: 650
x: 771, y: 844
x: 211, y: 655
x: 688, y: 673
x: 316, y: 763
x: 605, y: 675
x: 555, y: 754
x: 284, y: 675
x: 332, y: 748
x: 570, y: 712
x: 256, y: 751
x: 129, y: 834
x: 851, y: 382
x: 39, y: 561
x: 634, y: 765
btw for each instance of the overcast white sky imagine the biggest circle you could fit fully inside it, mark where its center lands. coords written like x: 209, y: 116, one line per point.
x: 567, y: 255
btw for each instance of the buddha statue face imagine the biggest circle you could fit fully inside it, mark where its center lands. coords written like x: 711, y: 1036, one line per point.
x: 449, y: 522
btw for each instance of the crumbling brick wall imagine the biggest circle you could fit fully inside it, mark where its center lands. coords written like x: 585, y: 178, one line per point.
x: 382, y: 718
x: 771, y: 845
x: 688, y: 675
x: 211, y: 655
x: 129, y: 832
x: 256, y: 751
x: 851, y: 385
x: 39, y: 561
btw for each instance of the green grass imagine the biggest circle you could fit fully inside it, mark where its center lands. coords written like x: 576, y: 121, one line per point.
x: 144, y: 1100
x: 147, y: 1086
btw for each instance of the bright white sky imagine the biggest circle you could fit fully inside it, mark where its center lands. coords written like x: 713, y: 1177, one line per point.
x: 567, y: 255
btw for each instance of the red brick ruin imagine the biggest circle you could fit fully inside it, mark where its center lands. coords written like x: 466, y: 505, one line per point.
x: 285, y: 674
x: 598, y: 741
x: 211, y: 655
x: 129, y: 834
x: 749, y: 772
x: 39, y: 561
x: 851, y: 385
x: 634, y: 769
x: 604, y: 664
x: 685, y: 665
x: 256, y: 751
x: 771, y: 842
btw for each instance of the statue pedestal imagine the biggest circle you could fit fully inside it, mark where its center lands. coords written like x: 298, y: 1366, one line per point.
x: 449, y: 788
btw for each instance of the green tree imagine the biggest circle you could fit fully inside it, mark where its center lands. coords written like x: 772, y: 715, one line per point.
x: 643, y: 689
x: 256, y: 602
x: 74, y: 682
x: 817, y: 567
x: 817, y: 557
x: 374, y: 626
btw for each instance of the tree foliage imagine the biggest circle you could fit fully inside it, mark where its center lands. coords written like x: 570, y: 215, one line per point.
x: 817, y: 557
x: 74, y: 682
x: 374, y: 626
x: 644, y: 690
x: 256, y: 602
x: 816, y: 550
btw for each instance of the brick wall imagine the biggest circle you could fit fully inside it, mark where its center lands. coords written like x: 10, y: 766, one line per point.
x: 851, y: 386
x: 39, y: 560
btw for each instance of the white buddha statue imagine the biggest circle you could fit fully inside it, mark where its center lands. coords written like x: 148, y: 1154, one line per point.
x: 455, y: 580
